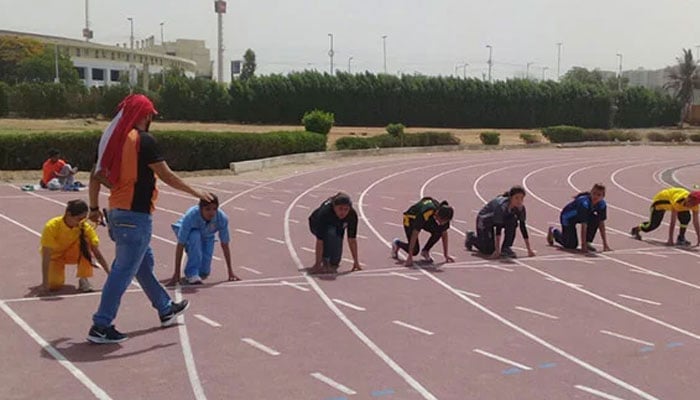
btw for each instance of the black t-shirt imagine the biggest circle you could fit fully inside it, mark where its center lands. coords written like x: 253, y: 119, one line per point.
x: 324, y: 216
x: 420, y: 216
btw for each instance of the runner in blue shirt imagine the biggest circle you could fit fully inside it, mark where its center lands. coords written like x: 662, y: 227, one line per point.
x: 195, y: 233
x: 588, y: 209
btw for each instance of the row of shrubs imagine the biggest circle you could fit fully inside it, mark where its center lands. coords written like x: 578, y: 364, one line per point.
x: 184, y: 150
x: 404, y: 140
x: 572, y: 134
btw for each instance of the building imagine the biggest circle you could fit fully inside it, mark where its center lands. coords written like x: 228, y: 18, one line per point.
x: 194, y: 50
x: 650, y: 79
x: 101, y: 65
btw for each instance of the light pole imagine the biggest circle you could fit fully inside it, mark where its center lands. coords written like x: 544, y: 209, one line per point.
x: 697, y: 52
x: 162, y: 36
x: 544, y: 71
x: 384, y: 46
x: 527, y: 70
x: 619, y: 75
x: 559, y: 60
x: 131, y: 37
x: 57, y: 79
x: 350, y: 65
x: 331, y: 52
x: 464, y: 71
x: 490, y: 62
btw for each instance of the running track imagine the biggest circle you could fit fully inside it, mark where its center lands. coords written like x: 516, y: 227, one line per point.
x: 620, y: 325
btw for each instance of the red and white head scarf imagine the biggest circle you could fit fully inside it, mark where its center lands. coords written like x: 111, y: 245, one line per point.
x: 130, y: 111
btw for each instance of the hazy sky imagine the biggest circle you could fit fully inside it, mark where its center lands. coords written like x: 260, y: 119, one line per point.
x: 430, y: 37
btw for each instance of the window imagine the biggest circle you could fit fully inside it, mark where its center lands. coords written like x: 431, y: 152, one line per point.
x: 114, y: 75
x: 77, y: 52
x: 98, y: 74
x: 81, y: 71
x: 112, y: 55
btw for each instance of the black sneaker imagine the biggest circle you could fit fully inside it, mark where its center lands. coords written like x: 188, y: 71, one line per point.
x: 105, y: 335
x: 469, y: 242
x: 507, y: 252
x: 176, y: 309
x: 591, y: 248
x: 681, y: 241
x: 635, y: 233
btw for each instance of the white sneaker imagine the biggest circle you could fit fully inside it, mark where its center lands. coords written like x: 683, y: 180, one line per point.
x: 84, y: 286
x: 193, y: 280
x: 395, y: 248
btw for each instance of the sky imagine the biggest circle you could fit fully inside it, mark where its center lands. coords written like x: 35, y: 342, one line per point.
x: 428, y: 37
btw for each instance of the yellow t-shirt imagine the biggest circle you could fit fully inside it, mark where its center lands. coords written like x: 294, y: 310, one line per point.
x: 672, y: 199
x: 59, y: 237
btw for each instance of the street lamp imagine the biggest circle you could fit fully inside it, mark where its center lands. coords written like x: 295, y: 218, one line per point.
x: 162, y: 40
x: 490, y: 62
x: 331, y: 52
x: 350, y: 64
x: 384, y: 46
x: 619, y: 75
x: 544, y: 70
x: 131, y: 38
x: 559, y: 60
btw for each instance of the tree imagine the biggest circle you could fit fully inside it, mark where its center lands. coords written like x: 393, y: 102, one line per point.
x: 248, y: 69
x: 42, y: 68
x: 684, y: 79
x: 582, y: 75
x: 14, y: 50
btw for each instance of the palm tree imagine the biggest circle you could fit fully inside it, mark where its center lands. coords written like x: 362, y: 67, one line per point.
x: 684, y: 79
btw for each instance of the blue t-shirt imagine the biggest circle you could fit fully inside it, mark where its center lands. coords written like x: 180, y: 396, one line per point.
x: 582, y: 210
x: 192, y: 220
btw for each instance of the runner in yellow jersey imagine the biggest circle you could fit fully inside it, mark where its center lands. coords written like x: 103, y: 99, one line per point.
x: 681, y: 203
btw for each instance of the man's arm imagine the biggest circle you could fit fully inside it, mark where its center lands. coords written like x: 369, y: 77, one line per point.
x: 584, y: 238
x: 352, y: 243
x: 696, y: 225
x: 671, y: 227
x: 179, y: 250
x: 167, y: 175
x: 226, y: 249
x: 45, y: 260
x: 604, y: 236
x: 94, y: 198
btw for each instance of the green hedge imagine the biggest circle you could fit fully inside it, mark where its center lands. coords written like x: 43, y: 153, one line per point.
x: 675, y: 137
x: 529, y: 138
x: 571, y: 134
x: 563, y: 134
x: 386, y: 140
x: 490, y: 138
x: 318, y: 121
x: 4, y: 99
x: 694, y: 137
x: 186, y: 151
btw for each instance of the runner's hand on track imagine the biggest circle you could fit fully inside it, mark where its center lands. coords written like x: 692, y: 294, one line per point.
x: 449, y: 259
x: 233, y: 278
x: 356, y: 266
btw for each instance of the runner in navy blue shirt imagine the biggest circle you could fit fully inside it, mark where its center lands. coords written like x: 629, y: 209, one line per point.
x: 505, y: 212
x: 328, y: 224
x: 588, y: 209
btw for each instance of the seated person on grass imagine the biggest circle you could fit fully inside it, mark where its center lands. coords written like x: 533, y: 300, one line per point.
x: 56, y: 168
x: 69, y: 239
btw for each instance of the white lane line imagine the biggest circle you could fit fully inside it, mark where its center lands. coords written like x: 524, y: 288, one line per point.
x: 503, y: 360
x: 360, y: 236
x: 303, y: 207
x: 262, y: 214
x: 275, y: 240
x: 390, y: 209
x: 239, y: 209
x: 598, y: 393
x: 459, y: 221
x: 348, y: 305
x: 308, y: 250
x: 637, y: 271
x: 631, y: 339
x: 563, y: 282
x: 388, y: 197
x: 464, y: 292
x: 295, y: 286
x: 75, y: 371
x: 393, y: 224
x: 261, y: 346
x: 330, y: 382
x: 26, y: 228
x: 278, y: 202
x: 655, y: 303
x: 498, y: 267
x: 293, y: 221
x: 352, y: 262
x: 413, y: 278
x: 413, y: 327
x: 255, y: 197
x: 255, y: 271
x: 649, y: 253
x: 315, y: 196
x: 244, y: 232
x: 196, y: 384
x: 531, y: 311
x: 207, y: 320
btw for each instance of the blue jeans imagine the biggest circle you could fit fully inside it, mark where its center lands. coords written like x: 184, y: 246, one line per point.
x: 131, y: 232
x: 200, y: 250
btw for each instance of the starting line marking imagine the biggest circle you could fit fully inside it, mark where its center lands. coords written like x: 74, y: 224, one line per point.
x: 393, y: 224
x: 330, y: 382
x: 464, y: 292
x: 244, y: 232
x: 503, y: 360
x: 348, y: 305
x: 655, y: 303
x: 631, y: 339
x: 598, y: 393
x: 531, y: 311
x: 295, y: 286
x: 413, y: 278
x: 261, y: 346
x: 255, y: 271
x: 390, y: 209
x: 207, y: 320
x: 413, y: 327
x: 275, y: 240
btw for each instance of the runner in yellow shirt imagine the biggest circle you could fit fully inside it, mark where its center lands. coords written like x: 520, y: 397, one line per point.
x: 681, y: 203
x: 69, y: 239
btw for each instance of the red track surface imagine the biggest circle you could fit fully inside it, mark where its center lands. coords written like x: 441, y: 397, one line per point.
x: 620, y: 325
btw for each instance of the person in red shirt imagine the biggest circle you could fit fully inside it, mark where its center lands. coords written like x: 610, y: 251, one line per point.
x: 56, y: 168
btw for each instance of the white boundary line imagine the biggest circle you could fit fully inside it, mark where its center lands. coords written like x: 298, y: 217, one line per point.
x: 330, y: 382
x: 295, y: 286
x: 624, y: 296
x: 598, y: 393
x: 253, y: 270
x: 190, y: 365
x: 629, y: 338
x: 540, y: 313
x: 261, y: 346
x: 75, y: 371
x: 349, y: 305
x: 413, y: 327
x: 503, y: 360
x: 207, y: 321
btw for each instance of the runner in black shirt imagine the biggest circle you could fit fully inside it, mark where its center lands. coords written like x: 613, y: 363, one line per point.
x: 428, y: 215
x: 328, y: 223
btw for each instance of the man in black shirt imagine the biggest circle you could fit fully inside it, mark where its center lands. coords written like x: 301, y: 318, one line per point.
x: 328, y: 223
